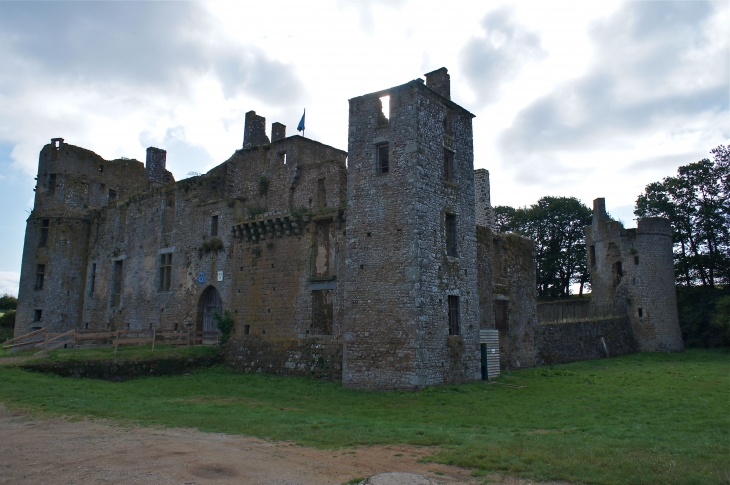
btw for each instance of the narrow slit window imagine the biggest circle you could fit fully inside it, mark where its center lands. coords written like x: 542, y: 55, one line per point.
x: 454, y: 315
x: 92, y: 279
x: 448, y: 165
x: 592, y: 254
x: 452, y: 247
x: 385, y: 109
x: 51, y: 183
x: 282, y: 158
x: 214, y: 226
x: 641, y: 312
x: 40, y: 276
x: 501, y: 315
x: 636, y: 260
x: 45, y: 224
x: 165, y: 271
x: 383, y: 158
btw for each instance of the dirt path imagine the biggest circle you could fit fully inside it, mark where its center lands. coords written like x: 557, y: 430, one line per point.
x: 59, y: 452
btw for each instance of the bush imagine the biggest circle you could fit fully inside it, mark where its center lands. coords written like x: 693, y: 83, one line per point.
x: 8, y: 320
x: 704, y: 315
x: 224, y: 322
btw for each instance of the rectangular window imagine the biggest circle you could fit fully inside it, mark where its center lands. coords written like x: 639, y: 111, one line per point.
x: 45, y: 223
x: 448, y: 166
x: 112, y: 195
x: 636, y: 260
x: 322, y: 312
x: 453, y: 315
x: 282, y: 158
x: 40, y: 275
x: 592, y: 254
x: 501, y: 315
x: 246, y: 329
x: 92, y: 279
x: 383, y: 158
x: 641, y: 312
x: 452, y: 248
x: 117, y: 272
x: 37, y: 315
x: 51, y: 183
x: 101, y: 168
x: 214, y: 226
x: 165, y: 271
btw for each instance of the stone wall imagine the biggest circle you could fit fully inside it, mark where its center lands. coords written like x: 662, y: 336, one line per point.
x: 482, y: 191
x: 402, y: 272
x: 635, y: 268
x: 561, y: 343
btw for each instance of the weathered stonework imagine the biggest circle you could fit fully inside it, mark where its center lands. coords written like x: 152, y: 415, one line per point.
x: 635, y: 268
x: 377, y: 266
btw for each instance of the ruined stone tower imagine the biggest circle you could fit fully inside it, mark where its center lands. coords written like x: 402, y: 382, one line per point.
x: 411, y: 315
x: 635, y: 267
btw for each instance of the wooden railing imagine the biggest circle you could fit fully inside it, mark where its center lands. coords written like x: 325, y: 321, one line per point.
x: 44, y: 340
x: 571, y: 312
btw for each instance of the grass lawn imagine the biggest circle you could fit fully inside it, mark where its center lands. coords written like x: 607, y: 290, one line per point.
x: 644, y: 418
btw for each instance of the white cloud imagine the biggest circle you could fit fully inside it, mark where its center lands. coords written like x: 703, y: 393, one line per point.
x: 9, y: 282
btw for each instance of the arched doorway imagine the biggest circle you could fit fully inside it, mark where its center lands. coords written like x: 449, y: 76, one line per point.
x: 211, y: 304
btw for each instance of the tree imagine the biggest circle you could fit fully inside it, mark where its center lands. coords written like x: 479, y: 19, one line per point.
x: 697, y: 203
x: 8, y: 302
x: 557, y: 225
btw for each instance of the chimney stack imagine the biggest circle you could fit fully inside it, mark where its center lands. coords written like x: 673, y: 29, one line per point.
x: 254, y: 131
x: 440, y: 81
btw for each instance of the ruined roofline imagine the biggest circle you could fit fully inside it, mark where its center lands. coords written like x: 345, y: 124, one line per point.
x: 278, y: 142
x: 603, y: 227
x: 419, y: 83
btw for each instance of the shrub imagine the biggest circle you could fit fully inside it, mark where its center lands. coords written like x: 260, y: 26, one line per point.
x: 224, y: 322
x: 212, y: 245
x: 8, y: 302
x: 8, y: 320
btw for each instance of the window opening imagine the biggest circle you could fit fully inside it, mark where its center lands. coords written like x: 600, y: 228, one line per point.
x: 101, y: 168
x: 451, y: 236
x: 383, y: 158
x: 636, y: 260
x: 453, y: 315
x: 246, y: 329
x: 592, y: 254
x: 501, y: 315
x: 40, y: 276
x: 52, y: 183
x: 282, y: 158
x: 45, y: 223
x: 384, y: 114
x: 214, y: 226
x: 618, y: 273
x: 112, y: 195
x: 118, y: 268
x: 165, y: 271
x: 37, y: 315
x: 641, y: 312
x: 448, y: 165
x: 92, y: 281
x: 322, y: 312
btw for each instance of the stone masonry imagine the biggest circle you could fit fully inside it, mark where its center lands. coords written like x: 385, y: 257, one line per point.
x: 378, y: 266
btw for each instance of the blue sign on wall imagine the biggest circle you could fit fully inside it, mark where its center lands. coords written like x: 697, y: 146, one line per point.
x: 201, y: 277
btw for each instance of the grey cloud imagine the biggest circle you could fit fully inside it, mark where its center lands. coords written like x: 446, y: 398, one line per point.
x: 646, y: 80
x: 155, y: 46
x: 490, y: 61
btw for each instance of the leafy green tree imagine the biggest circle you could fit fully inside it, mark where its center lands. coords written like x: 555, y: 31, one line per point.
x: 224, y: 322
x: 8, y: 302
x: 557, y: 225
x: 697, y: 203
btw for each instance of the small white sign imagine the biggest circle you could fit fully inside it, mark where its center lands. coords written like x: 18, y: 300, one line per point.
x: 220, y: 275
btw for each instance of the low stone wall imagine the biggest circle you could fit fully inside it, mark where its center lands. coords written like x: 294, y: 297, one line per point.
x: 122, y: 370
x: 561, y: 343
x: 319, y: 357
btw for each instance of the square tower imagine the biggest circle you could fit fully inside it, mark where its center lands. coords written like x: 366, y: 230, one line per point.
x: 411, y: 316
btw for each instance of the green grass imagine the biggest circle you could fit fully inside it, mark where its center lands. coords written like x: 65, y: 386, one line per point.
x: 644, y: 418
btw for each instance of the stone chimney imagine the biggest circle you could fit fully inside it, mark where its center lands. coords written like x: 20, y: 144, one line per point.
x: 599, y: 210
x: 484, y: 210
x: 254, y: 131
x: 440, y: 81
x: 155, y: 165
x: 278, y: 131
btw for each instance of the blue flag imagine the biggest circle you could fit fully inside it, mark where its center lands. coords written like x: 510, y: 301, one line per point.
x: 300, y: 127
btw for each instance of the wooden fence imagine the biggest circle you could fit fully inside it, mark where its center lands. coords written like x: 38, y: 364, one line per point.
x: 45, y: 340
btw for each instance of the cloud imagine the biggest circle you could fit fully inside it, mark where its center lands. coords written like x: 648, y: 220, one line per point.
x: 499, y: 55
x: 661, y: 69
x: 9, y: 282
x: 157, y: 46
x: 365, y: 10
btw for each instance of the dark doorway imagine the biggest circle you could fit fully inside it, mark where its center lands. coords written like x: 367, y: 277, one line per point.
x: 212, y: 304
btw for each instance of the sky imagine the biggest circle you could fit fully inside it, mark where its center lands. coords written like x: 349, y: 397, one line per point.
x: 572, y: 98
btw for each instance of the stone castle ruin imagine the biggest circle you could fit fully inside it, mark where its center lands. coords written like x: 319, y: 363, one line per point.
x: 378, y: 265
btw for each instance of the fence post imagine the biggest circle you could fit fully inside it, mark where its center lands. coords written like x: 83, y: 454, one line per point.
x: 154, y: 337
